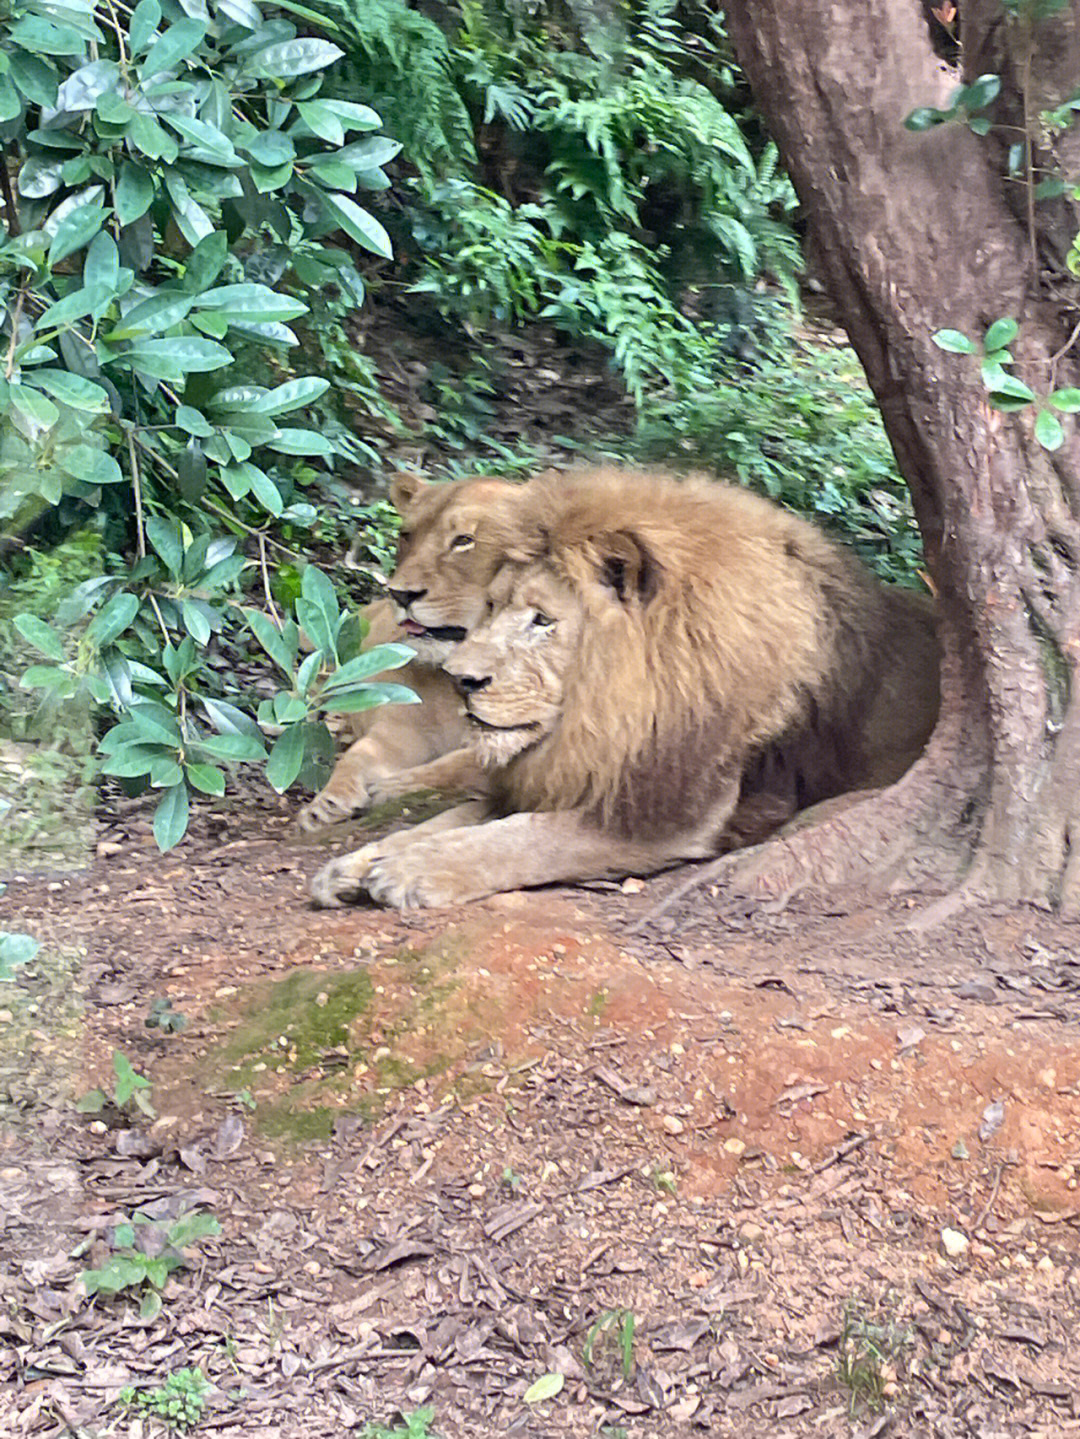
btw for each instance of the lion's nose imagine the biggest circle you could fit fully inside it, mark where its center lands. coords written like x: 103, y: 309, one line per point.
x: 470, y: 684
x: 407, y: 597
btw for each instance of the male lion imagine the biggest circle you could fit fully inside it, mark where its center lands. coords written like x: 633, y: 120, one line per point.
x: 453, y: 538
x: 656, y: 654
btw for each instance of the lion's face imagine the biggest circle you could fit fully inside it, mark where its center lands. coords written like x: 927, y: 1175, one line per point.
x: 453, y: 539
x: 513, y: 668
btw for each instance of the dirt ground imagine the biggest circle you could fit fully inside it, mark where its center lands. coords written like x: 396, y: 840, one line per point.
x: 799, y: 1174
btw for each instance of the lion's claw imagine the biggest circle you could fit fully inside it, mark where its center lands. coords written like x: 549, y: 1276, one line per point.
x: 343, y: 880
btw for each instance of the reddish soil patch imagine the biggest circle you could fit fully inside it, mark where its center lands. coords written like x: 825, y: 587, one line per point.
x: 748, y: 1132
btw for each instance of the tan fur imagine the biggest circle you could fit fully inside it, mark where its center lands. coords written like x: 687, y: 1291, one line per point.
x: 400, y: 749
x: 670, y: 668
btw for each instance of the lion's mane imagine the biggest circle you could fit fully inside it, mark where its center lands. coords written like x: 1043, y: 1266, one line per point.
x: 720, y: 631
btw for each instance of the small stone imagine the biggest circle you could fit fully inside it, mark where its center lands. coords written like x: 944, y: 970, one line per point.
x: 954, y: 1243
x: 960, y: 1150
x: 673, y: 1125
x: 1046, y: 1264
x: 477, y: 1191
x: 734, y: 1146
x: 751, y: 1233
x: 633, y: 886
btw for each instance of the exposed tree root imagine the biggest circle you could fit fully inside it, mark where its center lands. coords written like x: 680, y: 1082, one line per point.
x: 912, y: 836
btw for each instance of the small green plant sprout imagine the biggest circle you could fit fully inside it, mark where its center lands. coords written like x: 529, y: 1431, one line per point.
x: 146, y: 1251
x: 130, y: 1088
x: 614, y: 1327
x: 866, y: 1355
x: 412, y: 1426
x: 511, y: 1178
x: 15, y: 951
x: 179, y: 1402
x: 662, y: 1178
x: 1005, y: 391
x: 161, y: 1015
x: 964, y: 106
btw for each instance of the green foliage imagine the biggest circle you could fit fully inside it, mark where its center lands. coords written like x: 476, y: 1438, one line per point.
x: 179, y: 1402
x: 16, y: 949
x: 618, y: 1325
x: 179, y: 175
x: 130, y: 1087
x: 1007, y: 393
x: 412, y: 1426
x: 146, y: 1252
x: 865, y: 1356
x: 801, y: 427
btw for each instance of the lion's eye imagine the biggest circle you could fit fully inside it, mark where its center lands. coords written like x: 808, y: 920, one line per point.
x: 542, y: 621
x: 463, y: 542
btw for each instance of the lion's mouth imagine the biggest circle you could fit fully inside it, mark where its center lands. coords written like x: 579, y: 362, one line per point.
x: 499, y: 728
x: 446, y: 634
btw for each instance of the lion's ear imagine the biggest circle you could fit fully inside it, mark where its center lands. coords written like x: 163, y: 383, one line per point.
x: 628, y: 568
x: 405, y: 485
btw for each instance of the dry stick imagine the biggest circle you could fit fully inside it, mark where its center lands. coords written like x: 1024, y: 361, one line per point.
x: 989, y: 1203
x: 266, y: 581
x: 140, y: 537
x: 9, y: 363
x: 11, y: 212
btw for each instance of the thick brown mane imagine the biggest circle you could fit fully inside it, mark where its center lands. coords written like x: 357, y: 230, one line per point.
x: 718, y: 626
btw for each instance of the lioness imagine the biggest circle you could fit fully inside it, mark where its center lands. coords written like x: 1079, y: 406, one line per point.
x: 651, y: 648
x: 453, y: 538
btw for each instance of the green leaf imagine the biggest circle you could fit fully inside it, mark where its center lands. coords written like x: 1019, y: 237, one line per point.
x: 134, y: 192
x: 321, y: 121
x: 130, y: 761
x: 375, y: 661
x: 76, y: 229
x: 150, y: 1305
x: 171, y: 817
x: 358, y: 224
x: 1009, y: 387
x: 40, y: 411
x: 145, y: 19
x: 1048, y: 431
x: 195, y: 622
x: 294, y: 57
x: 206, y: 778
x: 112, y: 619
x: 164, y: 535
x: 367, y: 697
x: 73, y: 390
x: 252, y: 302
x: 238, y: 747
x: 90, y: 464
x: 980, y: 92
x: 370, y: 153
x: 15, y: 950
x: 184, y: 354
x: 955, y: 342
x: 211, y: 147
x: 206, y: 262
x: 1001, y: 333
x: 264, y: 490
x: 299, y: 442
x: 227, y: 719
x: 276, y: 644
x: 356, y: 117
x: 176, y: 44
x: 42, y: 37
x: 149, y: 317
x: 292, y: 395
x: 546, y: 1387
x: 1067, y: 401
x: 925, y: 117
x: 286, y: 758
x: 42, y: 636
x: 92, y: 1102
x: 74, y: 306
x: 128, y: 1080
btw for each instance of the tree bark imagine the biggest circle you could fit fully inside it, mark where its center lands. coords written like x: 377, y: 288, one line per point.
x: 916, y: 232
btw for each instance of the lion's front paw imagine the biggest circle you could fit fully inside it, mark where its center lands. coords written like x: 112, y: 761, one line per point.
x: 330, y: 806
x: 419, y: 877
x: 343, y: 879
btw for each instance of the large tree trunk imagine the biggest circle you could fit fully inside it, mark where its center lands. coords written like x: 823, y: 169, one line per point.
x: 915, y: 232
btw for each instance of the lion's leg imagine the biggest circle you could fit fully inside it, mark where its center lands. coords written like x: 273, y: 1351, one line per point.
x: 344, y: 878
x: 457, y: 772
x: 516, y: 853
x: 397, y: 741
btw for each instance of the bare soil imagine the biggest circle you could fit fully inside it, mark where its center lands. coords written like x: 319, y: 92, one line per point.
x: 700, y: 1171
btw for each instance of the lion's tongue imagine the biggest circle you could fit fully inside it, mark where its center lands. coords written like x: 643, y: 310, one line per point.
x: 412, y: 628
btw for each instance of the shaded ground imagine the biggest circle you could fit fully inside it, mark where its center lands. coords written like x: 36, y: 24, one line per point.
x: 519, y: 1139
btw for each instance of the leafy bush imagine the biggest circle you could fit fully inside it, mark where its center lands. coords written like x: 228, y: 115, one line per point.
x: 180, y: 170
